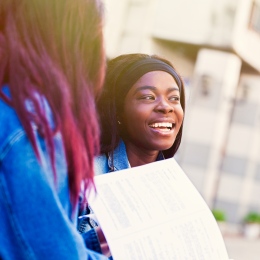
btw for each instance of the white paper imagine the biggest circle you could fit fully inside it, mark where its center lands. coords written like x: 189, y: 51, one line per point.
x: 155, y: 212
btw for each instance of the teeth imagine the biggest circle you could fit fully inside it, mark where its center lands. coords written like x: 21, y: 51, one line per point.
x: 168, y: 125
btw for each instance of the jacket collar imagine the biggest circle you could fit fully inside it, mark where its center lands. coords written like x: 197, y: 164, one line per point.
x: 120, y: 158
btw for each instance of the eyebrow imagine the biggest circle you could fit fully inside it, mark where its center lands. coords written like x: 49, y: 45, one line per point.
x: 154, y: 89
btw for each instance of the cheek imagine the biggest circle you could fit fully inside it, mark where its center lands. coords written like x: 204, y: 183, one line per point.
x: 134, y: 118
x: 127, y: 115
x: 134, y: 112
x: 128, y: 120
x: 180, y: 114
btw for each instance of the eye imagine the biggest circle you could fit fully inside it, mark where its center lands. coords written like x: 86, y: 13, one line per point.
x: 174, y: 98
x: 147, y: 97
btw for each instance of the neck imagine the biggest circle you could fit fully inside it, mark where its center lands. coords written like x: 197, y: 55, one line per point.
x: 138, y: 156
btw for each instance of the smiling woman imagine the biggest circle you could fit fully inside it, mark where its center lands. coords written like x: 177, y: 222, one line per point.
x: 141, y: 109
x: 141, y: 113
x: 152, y: 108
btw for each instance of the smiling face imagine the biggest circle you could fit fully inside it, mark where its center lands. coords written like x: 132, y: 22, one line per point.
x: 152, y: 114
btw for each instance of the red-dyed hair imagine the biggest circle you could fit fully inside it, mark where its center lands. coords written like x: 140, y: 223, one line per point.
x: 55, y: 48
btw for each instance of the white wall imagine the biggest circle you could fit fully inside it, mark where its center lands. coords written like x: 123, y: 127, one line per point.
x: 128, y: 26
x: 196, y: 22
x: 115, y: 13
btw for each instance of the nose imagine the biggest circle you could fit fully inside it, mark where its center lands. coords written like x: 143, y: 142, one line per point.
x: 164, y: 107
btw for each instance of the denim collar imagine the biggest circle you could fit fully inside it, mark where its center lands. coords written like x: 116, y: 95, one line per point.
x: 120, y: 158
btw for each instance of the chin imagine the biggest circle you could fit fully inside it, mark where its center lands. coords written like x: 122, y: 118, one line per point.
x: 163, y: 148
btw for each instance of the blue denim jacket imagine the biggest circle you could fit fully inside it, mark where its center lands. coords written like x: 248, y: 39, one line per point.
x: 104, y: 164
x: 36, y: 219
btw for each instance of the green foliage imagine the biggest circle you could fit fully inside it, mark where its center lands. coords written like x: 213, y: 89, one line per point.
x: 219, y: 215
x: 252, y: 217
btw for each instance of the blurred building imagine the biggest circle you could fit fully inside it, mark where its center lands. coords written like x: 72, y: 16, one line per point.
x: 215, y: 45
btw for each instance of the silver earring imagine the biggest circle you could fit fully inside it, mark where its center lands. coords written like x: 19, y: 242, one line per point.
x: 119, y: 122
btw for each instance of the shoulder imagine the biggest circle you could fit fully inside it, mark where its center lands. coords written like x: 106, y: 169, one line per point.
x: 11, y: 129
x: 114, y: 161
x: 8, y: 115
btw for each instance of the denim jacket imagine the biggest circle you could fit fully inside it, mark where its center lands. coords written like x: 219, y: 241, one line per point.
x: 104, y: 164
x: 36, y: 220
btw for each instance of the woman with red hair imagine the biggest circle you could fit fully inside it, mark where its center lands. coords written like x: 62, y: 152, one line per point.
x: 52, y: 66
